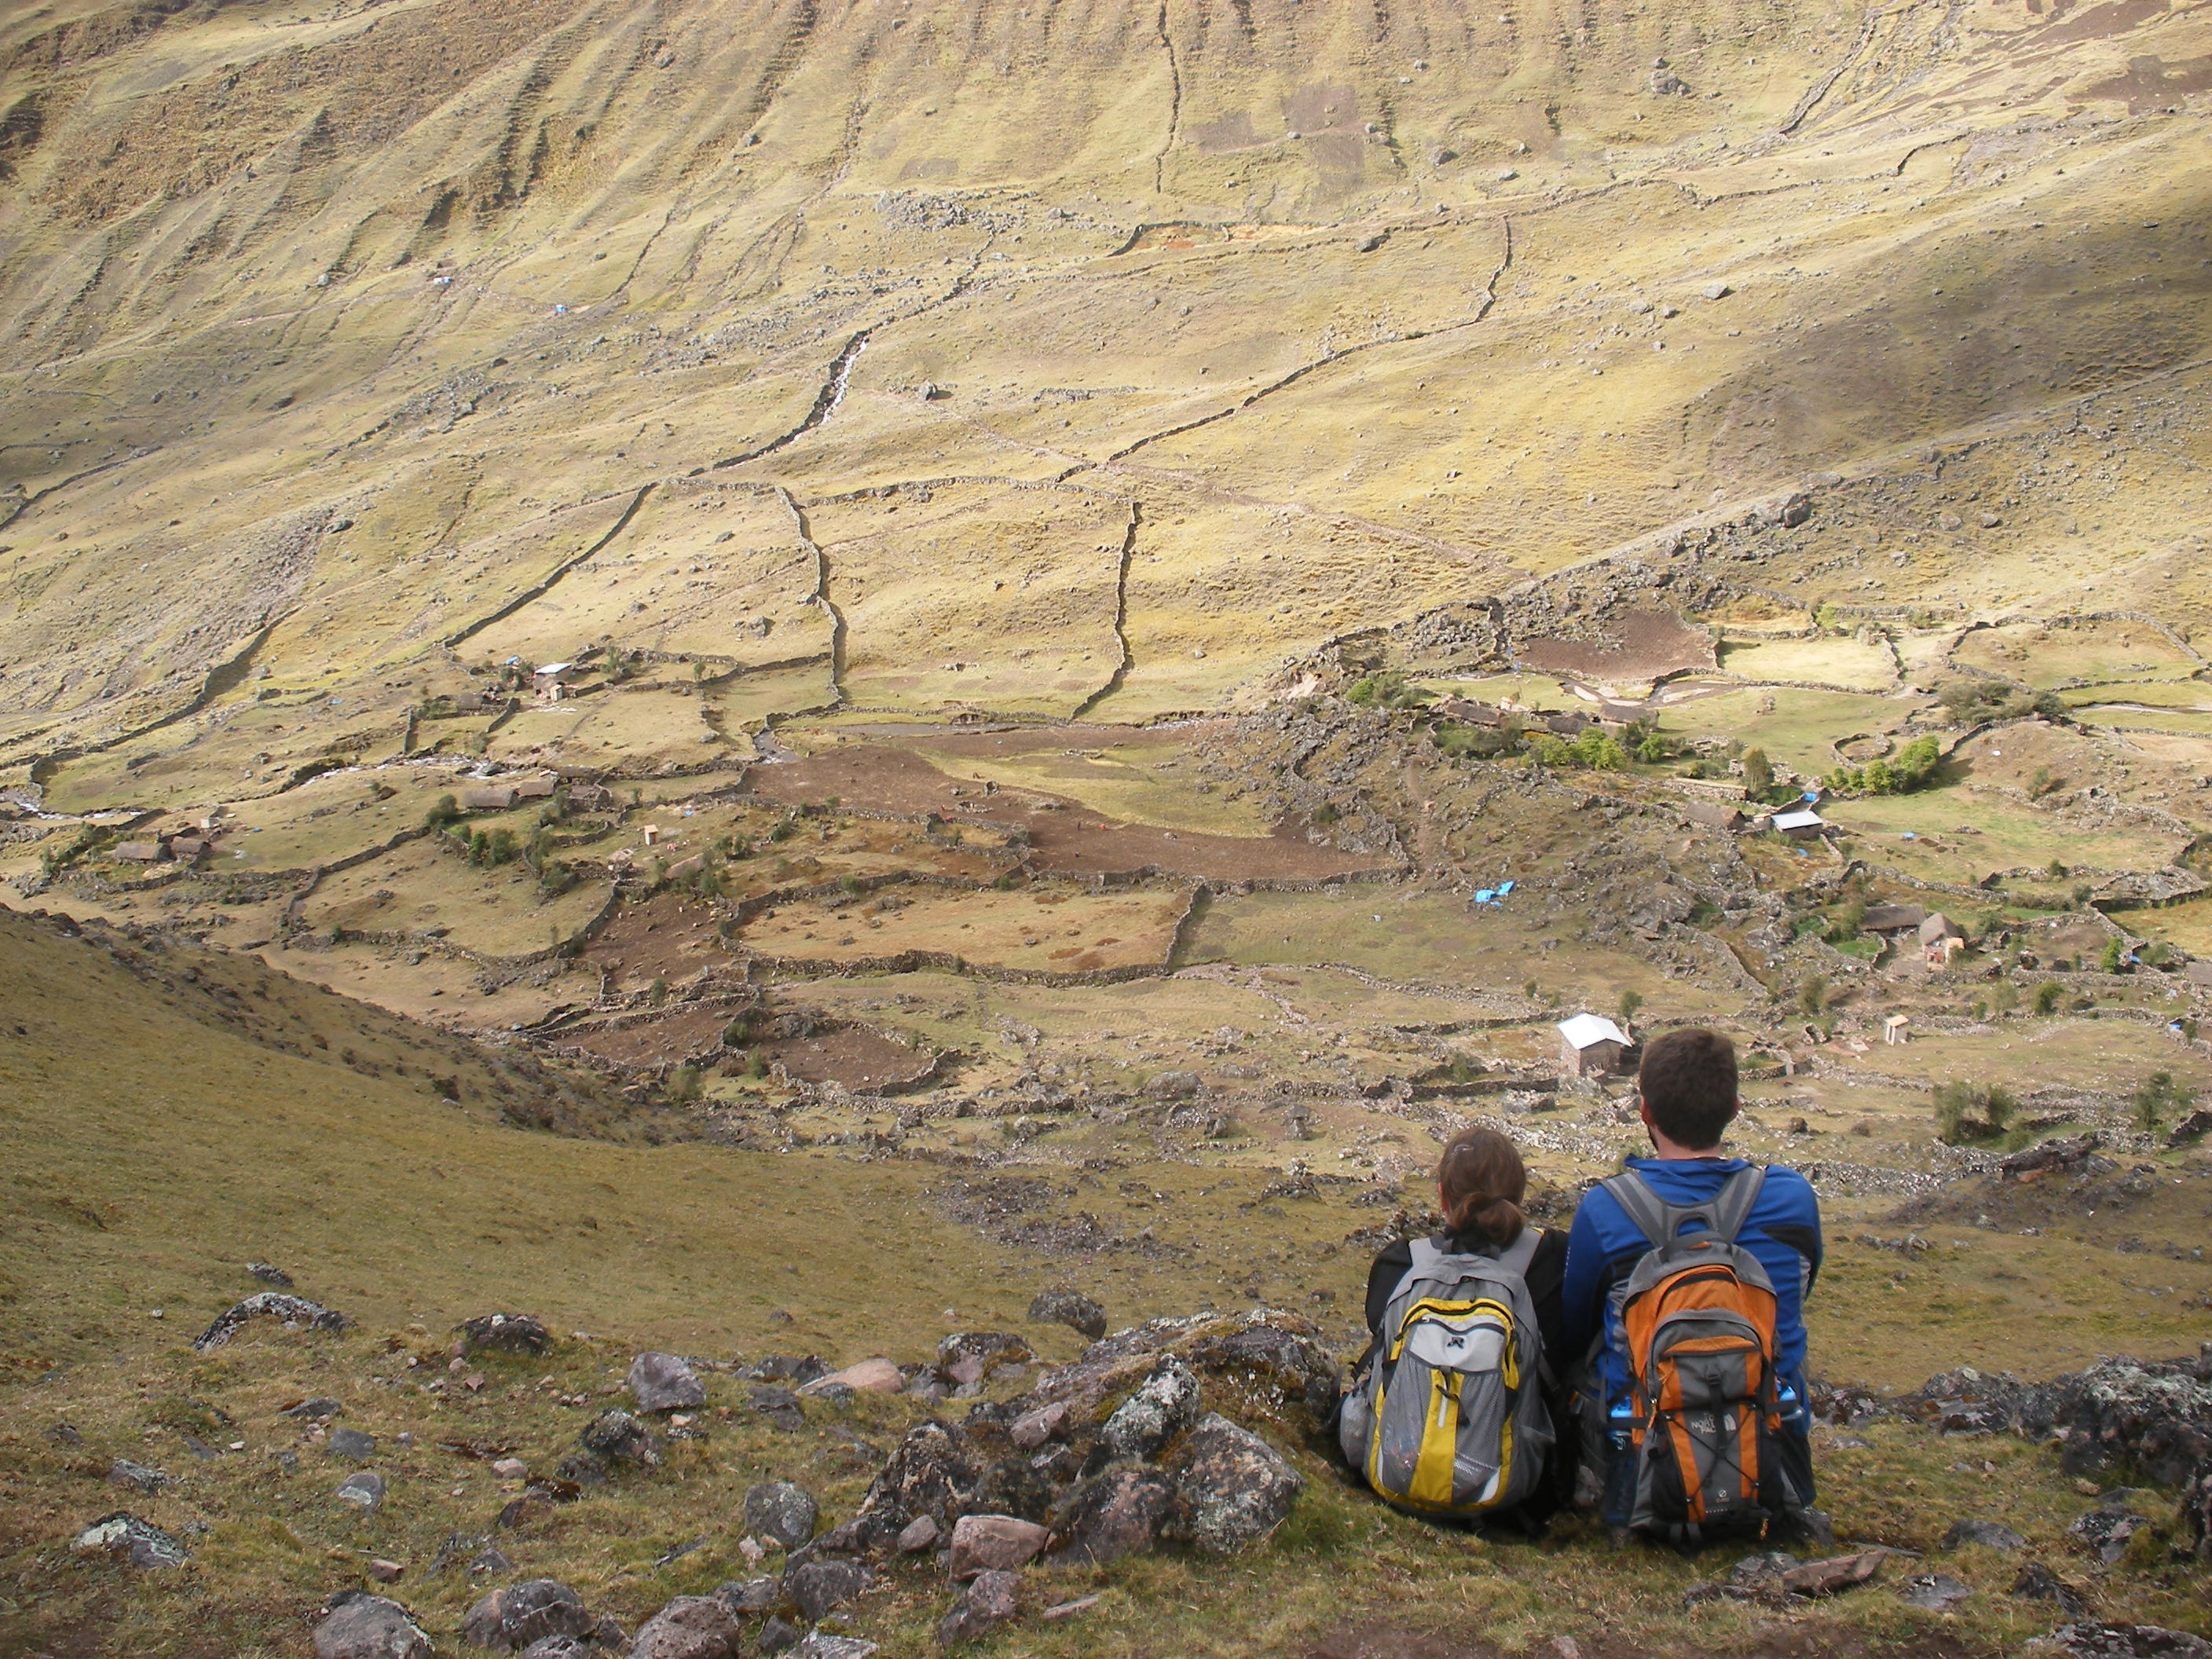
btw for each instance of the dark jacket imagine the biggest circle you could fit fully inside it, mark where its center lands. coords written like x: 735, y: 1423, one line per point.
x: 1546, y: 1276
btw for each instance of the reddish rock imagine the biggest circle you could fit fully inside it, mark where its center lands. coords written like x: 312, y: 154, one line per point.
x: 987, y: 1543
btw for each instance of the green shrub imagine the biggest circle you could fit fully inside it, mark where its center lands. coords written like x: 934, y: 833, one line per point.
x: 2047, y: 995
x: 2158, y: 1099
x: 1758, y: 771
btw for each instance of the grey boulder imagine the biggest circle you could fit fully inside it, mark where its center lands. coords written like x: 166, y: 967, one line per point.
x: 990, y: 1600
x: 512, y: 1617
x: 689, y: 1627
x: 504, y: 1333
x: 128, y: 1539
x: 665, y: 1382
x: 782, y: 1513
x: 2093, y: 1641
x: 136, y: 1476
x: 356, y: 1624
x: 1116, y: 1513
x: 1165, y: 1405
x: 364, y: 1490
x: 617, y: 1438
x: 1234, y: 1487
x: 820, y: 1587
x: 1072, y: 1309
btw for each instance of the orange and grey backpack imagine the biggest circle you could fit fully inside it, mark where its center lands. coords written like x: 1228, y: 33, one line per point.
x: 1697, y: 1312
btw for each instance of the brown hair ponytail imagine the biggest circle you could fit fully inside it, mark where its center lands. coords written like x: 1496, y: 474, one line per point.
x: 1482, y: 1180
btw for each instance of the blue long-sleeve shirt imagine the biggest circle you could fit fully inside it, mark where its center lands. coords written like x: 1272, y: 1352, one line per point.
x: 1783, y: 1231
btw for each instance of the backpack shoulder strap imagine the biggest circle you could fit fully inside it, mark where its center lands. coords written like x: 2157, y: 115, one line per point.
x: 1521, y: 1252
x: 1732, y: 1205
x: 1646, y: 1211
x: 1426, y: 1254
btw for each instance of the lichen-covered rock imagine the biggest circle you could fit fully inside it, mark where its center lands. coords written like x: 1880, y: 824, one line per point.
x: 504, y: 1333
x: 512, y: 1617
x: 2091, y: 1641
x: 665, y: 1382
x: 932, y: 1471
x: 268, y: 1304
x: 1277, y: 1357
x: 1164, y: 1405
x: 1072, y: 1309
x: 2157, y: 1416
x: 1232, y: 1487
x: 780, y: 1512
x: 749, y: 1595
x: 617, y: 1438
x: 558, y: 1647
x: 356, y: 1624
x: 989, y: 1600
x: 689, y: 1627
x: 1117, y: 1512
x: 2107, y: 1532
x: 1016, y: 1485
x: 2197, y: 1514
x: 128, y: 1539
x: 819, y: 1587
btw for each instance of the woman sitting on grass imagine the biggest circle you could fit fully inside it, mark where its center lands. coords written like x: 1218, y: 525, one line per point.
x: 1481, y: 1182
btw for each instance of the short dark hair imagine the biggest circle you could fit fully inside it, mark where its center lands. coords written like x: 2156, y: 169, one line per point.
x: 1688, y: 1079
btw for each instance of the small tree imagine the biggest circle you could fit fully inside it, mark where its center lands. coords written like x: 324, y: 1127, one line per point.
x: 2115, y: 956
x: 2158, y: 1099
x: 1630, y: 1002
x: 1812, y: 995
x: 1758, y: 771
x: 2047, y: 995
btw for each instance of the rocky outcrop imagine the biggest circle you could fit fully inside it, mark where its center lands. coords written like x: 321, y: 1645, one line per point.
x: 1279, y: 1358
x: 504, y: 1333
x: 294, y: 1310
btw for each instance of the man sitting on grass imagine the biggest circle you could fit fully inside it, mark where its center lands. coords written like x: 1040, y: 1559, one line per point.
x: 1689, y: 1190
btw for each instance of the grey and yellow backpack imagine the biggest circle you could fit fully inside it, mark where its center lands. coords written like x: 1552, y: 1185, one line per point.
x: 1448, y: 1417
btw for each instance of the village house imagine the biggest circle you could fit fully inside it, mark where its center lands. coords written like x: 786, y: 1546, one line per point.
x: 1714, y: 814
x: 540, y: 789
x: 1590, y: 1045
x: 1800, y: 824
x: 1893, y: 918
x: 493, y: 798
x: 1939, y: 940
x: 137, y: 852
x: 549, y: 680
